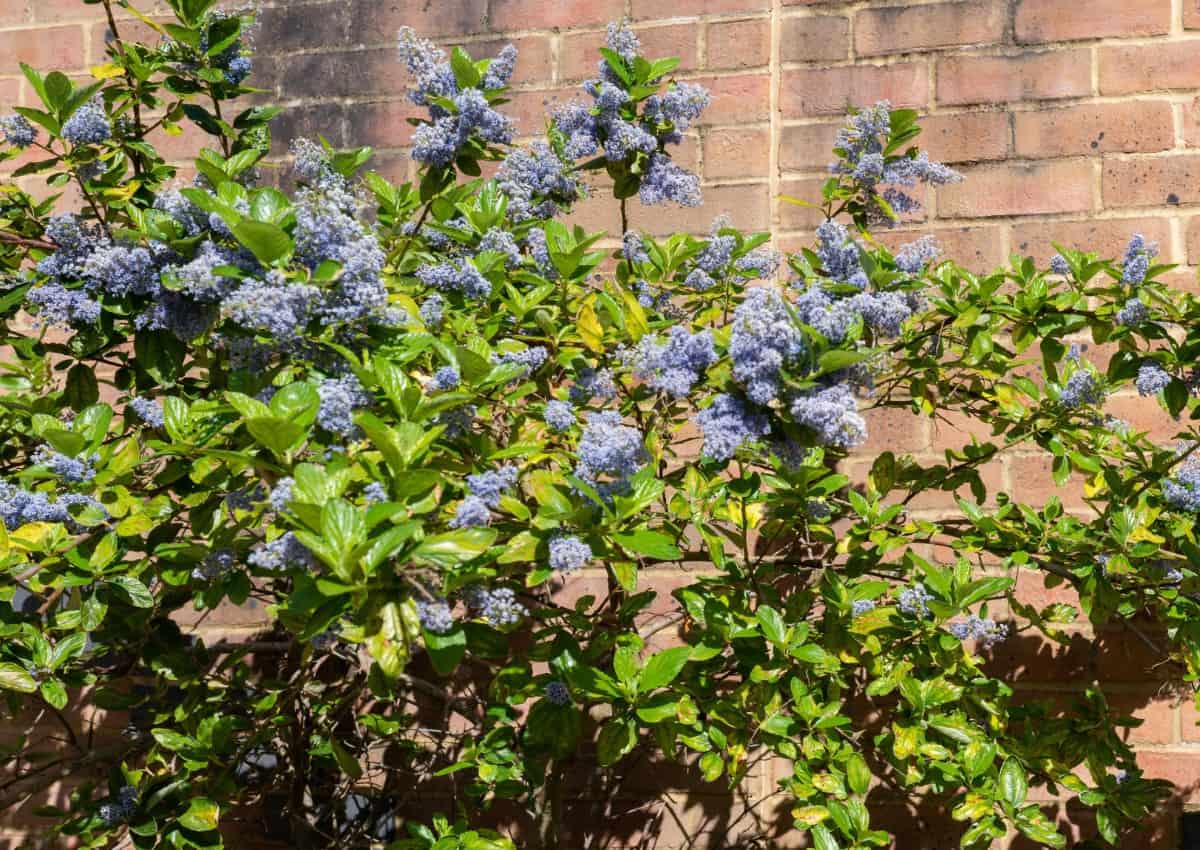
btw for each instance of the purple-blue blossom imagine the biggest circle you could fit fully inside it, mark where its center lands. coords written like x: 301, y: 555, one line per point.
x: 435, y: 616
x: 1151, y: 379
x: 56, y: 305
x: 727, y: 424
x: 913, y: 257
x: 984, y: 630
x: 500, y: 69
x: 17, y: 131
x: 445, y: 378
x: 451, y: 277
x: 1060, y: 266
x: 122, y: 270
x: 817, y: 309
x: 557, y: 693
x: 839, y: 254
x: 833, y: 414
x: 1182, y: 490
x: 284, y: 552
x: 281, y: 494
x: 491, y: 485
x: 1136, y: 262
x: 148, y: 410
x: 559, y: 415
x: 499, y: 607
x: 340, y: 397
x: 861, y: 606
x: 623, y: 41
x: 529, y: 359
x: 216, y: 564
x: 1081, y: 389
x: 70, y: 470
x: 272, y: 307
x: 19, y: 506
x: 665, y: 182
x: 375, y: 493
x: 88, y: 125
x: 472, y: 512
x: 568, y: 553
x: 763, y: 340
x: 592, y: 383
x: 430, y: 311
x: 884, y: 312
x: 609, y: 449
x: 1133, y: 313
x: 676, y: 365
x: 632, y: 248
x: 502, y: 242
x: 915, y: 600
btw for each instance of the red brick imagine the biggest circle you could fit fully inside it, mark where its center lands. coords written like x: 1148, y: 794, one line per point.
x: 894, y: 429
x: 1019, y: 189
x: 1193, y: 240
x: 748, y: 206
x: 1156, y: 712
x: 975, y: 248
x: 1161, y: 66
x: 1191, y: 14
x: 1146, y: 415
x: 737, y: 152
x: 375, y: 22
x: 832, y: 91
x: 649, y: 9
x: 738, y: 44
x: 738, y: 99
x: 577, y: 53
x: 47, y: 49
x: 1107, y: 237
x: 1132, y: 127
x: 1177, y: 766
x: 815, y: 39
x: 524, y: 14
x: 1062, y: 20
x: 1152, y: 182
x: 1031, y: 475
x: 320, y: 25
x: 991, y: 475
x: 965, y: 136
x: 1191, y: 123
x: 1025, y: 76
x: 900, y: 29
x: 384, y: 125
x: 807, y: 147
x: 795, y: 216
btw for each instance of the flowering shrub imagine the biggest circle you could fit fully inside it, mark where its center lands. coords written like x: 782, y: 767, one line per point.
x: 441, y: 436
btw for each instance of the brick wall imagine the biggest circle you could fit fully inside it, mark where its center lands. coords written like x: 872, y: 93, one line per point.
x: 1073, y: 121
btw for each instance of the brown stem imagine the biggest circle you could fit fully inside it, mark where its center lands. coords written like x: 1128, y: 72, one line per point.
x: 624, y: 218
x: 130, y: 80
x: 26, y: 241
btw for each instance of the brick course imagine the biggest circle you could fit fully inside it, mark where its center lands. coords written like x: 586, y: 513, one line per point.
x: 1076, y: 123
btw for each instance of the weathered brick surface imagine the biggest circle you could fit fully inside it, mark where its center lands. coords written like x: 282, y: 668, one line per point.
x: 1076, y: 123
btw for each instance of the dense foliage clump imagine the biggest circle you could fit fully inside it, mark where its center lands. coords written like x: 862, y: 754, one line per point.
x: 441, y: 436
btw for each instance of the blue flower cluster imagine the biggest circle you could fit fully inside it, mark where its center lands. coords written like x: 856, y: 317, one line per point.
x: 728, y: 424
x: 284, y: 552
x: 445, y: 378
x: 913, y: 257
x: 456, y: 277
x: 529, y: 359
x: 1133, y: 313
x: 435, y: 616
x: 1136, y: 262
x: 281, y: 494
x: 218, y: 563
x: 375, y: 493
x: 485, y: 489
x: 1151, y: 379
x: 1060, y: 266
x: 557, y: 693
x: 984, y: 630
x: 915, y: 600
x: 148, y: 410
x: 763, y: 340
x: 832, y: 413
x: 17, y: 131
x: 862, y: 606
x: 568, y: 553
x: 88, y: 125
x: 609, y: 450
x: 340, y: 397
x: 19, y: 507
x: 54, y: 304
x: 430, y: 311
x: 120, y: 808
x: 1081, y: 389
x: 861, y: 143
x: 437, y: 142
x: 839, y: 254
x: 69, y: 470
x: 499, y: 607
x: 559, y: 415
x: 673, y: 366
x: 1182, y: 490
x: 592, y: 383
x: 538, y: 184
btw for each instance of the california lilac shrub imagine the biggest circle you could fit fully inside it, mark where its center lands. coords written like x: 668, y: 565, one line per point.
x: 445, y: 439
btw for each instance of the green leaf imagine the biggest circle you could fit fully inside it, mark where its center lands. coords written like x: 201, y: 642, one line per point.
x: 82, y: 387
x: 663, y: 667
x: 553, y: 728
x: 858, y: 774
x: 137, y: 593
x: 278, y: 435
x: 772, y: 624
x: 446, y: 651
x: 15, y: 678
x: 268, y: 242
x: 455, y: 547
x: 617, y: 737
x: 652, y: 544
x: 465, y: 72
x: 173, y: 740
x: 54, y: 693
x: 823, y: 839
x: 1012, y: 783
x: 202, y: 815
